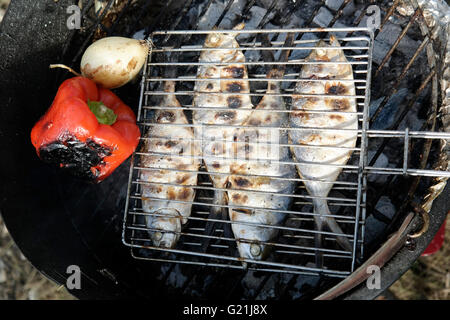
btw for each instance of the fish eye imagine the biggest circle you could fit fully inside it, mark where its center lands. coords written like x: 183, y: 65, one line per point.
x: 321, y: 52
x: 157, y: 236
x: 214, y: 39
x: 255, y: 250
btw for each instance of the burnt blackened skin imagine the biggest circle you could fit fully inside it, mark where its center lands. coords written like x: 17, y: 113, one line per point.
x: 234, y: 87
x: 233, y: 102
x: 169, y: 144
x: 75, y: 156
x: 226, y: 115
x: 166, y: 116
x: 236, y: 72
x: 338, y: 89
x: 242, y: 182
x: 340, y: 104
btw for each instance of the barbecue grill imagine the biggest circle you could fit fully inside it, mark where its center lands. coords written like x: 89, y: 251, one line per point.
x: 397, y: 169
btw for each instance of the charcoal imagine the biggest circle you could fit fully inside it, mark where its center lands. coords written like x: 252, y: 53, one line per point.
x: 233, y: 16
x: 251, y: 282
x: 385, y: 207
x: 256, y: 14
x: 139, y: 35
x: 382, y: 162
x: 267, y: 3
x: 207, y: 21
x: 268, y: 291
x: 303, y: 284
x: 376, y: 224
x: 307, y: 9
x: 386, y: 39
x: 374, y: 228
x: 412, y: 120
x: 336, y: 4
x: 176, y: 278
x: 323, y: 19
x: 389, y: 114
x: 301, y: 54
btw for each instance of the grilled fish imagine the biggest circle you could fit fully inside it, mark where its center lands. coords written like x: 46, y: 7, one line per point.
x: 262, y: 173
x: 233, y: 93
x: 320, y: 178
x: 171, y: 149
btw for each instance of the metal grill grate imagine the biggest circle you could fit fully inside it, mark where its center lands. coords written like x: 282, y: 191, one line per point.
x: 293, y: 250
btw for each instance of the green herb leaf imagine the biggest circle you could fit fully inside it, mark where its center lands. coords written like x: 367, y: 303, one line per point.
x: 103, y: 114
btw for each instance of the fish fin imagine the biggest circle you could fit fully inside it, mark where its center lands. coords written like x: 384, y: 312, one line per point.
x: 318, y: 242
x: 321, y: 43
x: 169, y: 86
x: 284, y: 57
x: 267, y: 54
x: 239, y: 26
x: 321, y: 207
x: 334, y: 41
x: 334, y: 227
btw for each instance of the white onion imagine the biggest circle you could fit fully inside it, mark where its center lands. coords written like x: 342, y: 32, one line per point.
x: 113, y: 61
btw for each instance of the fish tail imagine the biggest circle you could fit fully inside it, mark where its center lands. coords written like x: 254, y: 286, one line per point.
x: 321, y: 208
x: 318, y: 242
x: 169, y: 86
x: 276, y: 71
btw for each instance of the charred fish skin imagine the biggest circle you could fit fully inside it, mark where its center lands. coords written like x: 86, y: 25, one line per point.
x: 320, y: 178
x: 173, y: 151
x: 222, y: 83
x: 267, y: 176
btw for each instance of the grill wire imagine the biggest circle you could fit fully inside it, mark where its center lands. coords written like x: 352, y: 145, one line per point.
x: 134, y: 16
x: 293, y: 250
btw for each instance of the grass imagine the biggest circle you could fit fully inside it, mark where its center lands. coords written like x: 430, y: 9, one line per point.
x: 429, y: 277
x: 19, y: 280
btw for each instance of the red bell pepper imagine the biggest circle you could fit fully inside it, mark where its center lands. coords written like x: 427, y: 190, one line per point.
x: 87, y: 130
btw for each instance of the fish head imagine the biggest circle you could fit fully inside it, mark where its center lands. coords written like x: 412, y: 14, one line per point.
x: 165, y: 227
x: 322, y: 54
x: 217, y: 40
x: 222, y: 40
x: 253, y: 231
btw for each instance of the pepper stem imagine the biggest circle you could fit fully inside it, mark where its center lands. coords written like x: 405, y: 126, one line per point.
x: 103, y: 114
x: 63, y: 66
